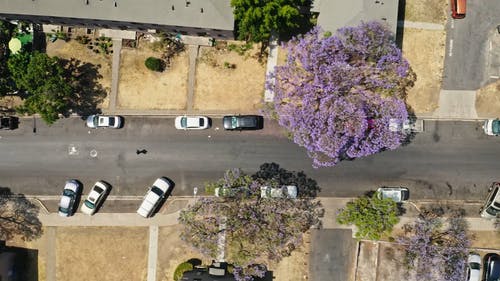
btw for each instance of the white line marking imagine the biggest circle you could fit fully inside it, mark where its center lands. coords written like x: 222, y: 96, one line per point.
x: 491, y: 46
x: 452, y: 24
x: 450, y: 52
x: 494, y: 76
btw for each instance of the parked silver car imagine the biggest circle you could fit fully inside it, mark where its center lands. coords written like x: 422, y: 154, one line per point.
x: 95, y: 198
x: 491, y: 208
x: 398, y: 194
x: 473, y: 267
x: 155, y: 194
x: 104, y: 121
x: 69, y: 196
x: 192, y: 122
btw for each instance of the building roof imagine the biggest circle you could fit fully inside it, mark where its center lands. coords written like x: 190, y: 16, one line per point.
x: 213, y: 14
x: 334, y: 14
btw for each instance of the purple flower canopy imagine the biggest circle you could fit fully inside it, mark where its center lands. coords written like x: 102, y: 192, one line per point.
x: 337, y: 94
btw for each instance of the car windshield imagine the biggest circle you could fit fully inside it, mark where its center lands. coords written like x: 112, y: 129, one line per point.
x: 157, y: 191
x: 63, y: 210
x: 492, y: 211
x: 202, y: 122
x: 96, y: 120
x: 68, y: 192
x: 234, y: 122
x: 111, y: 121
x: 475, y: 265
x: 98, y: 189
x: 89, y: 204
x: 495, y: 127
x: 183, y: 122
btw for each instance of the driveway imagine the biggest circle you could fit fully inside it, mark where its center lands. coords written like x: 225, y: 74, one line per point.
x: 332, y: 255
x: 468, y: 56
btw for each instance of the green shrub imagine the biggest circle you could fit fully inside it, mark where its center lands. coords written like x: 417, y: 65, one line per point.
x: 181, y: 268
x: 154, y: 64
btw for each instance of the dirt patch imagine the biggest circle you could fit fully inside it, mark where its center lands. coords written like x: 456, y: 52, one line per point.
x: 295, y: 267
x: 172, y: 251
x: 97, y: 253
x: 282, y: 53
x: 141, y: 88
x: 390, y: 263
x: 433, y: 11
x: 425, y: 50
x: 229, y: 81
x: 488, y: 100
x: 73, y: 49
x: 10, y: 102
x: 486, y: 239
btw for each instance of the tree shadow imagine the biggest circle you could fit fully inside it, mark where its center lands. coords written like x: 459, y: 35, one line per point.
x: 306, y: 23
x: 18, y: 217
x: 88, y: 93
x: 306, y: 186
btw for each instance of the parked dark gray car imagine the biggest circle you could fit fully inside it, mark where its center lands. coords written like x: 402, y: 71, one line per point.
x: 243, y: 122
x: 491, y: 267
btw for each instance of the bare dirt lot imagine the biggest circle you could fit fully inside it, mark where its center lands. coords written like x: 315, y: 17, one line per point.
x: 488, y: 100
x: 424, y: 49
x: 433, y: 11
x: 141, y: 88
x: 73, y: 49
x: 294, y: 267
x: 102, y: 253
x: 228, y: 81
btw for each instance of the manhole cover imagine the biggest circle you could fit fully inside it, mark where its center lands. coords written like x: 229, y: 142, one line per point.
x: 93, y: 153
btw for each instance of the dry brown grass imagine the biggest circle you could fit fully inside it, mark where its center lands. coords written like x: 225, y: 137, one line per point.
x: 486, y: 239
x: 102, y: 253
x: 172, y: 251
x: 221, y: 88
x: 73, y: 49
x: 488, y: 100
x: 296, y: 266
x: 433, y: 11
x: 141, y: 88
x: 425, y: 50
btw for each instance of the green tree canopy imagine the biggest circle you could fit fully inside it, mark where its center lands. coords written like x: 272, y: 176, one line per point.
x: 372, y: 216
x: 257, y: 19
x: 43, y: 81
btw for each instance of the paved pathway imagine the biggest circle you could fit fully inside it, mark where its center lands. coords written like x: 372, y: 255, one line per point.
x: 115, y: 73
x: 456, y: 105
x: 193, y: 55
x: 421, y: 25
x: 272, y: 60
x: 152, y: 252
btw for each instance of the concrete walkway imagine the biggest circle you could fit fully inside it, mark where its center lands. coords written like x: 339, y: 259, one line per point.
x: 152, y: 252
x: 115, y: 73
x: 272, y: 60
x: 456, y: 105
x: 420, y: 25
x: 51, y: 254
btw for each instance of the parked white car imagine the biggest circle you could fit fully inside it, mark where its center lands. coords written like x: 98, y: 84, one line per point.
x: 398, y: 194
x: 104, y: 121
x: 154, y: 196
x: 71, y: 191
x: 491, y: 208
x: 473, y: 267
x: 192, y: 122
x: 95, y: 198
x: 491, y: 127
x: 289, y: 191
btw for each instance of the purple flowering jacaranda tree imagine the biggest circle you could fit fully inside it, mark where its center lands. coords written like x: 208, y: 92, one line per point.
x: 336, y: 94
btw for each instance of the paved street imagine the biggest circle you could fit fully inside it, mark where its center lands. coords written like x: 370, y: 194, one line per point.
x: 468, y: 49
x: 450, y: 160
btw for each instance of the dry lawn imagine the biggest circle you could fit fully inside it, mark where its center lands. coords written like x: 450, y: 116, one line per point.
x: 488, y: 100
x: 101, y: 253
x: 172, y: 251
x: 141, y: 88
x: 10, y: 102
x: 296, y: 266
x: 73, y: 49
x: 433, y: 11
x: 221, y: 88
x: 486, y: 239
x: 425, y: 50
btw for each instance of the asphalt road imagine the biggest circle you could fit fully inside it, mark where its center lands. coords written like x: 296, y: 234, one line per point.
x: 450, y: 160
x: 468, y: 49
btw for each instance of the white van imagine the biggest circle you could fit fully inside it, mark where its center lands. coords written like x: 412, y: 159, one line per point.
x: 491, y: 208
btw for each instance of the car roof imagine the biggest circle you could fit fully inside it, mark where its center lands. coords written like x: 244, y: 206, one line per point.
x: 163, y: 184
x: 65, y: 201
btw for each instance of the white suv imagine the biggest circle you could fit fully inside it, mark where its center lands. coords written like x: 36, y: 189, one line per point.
x: 491, y: 208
